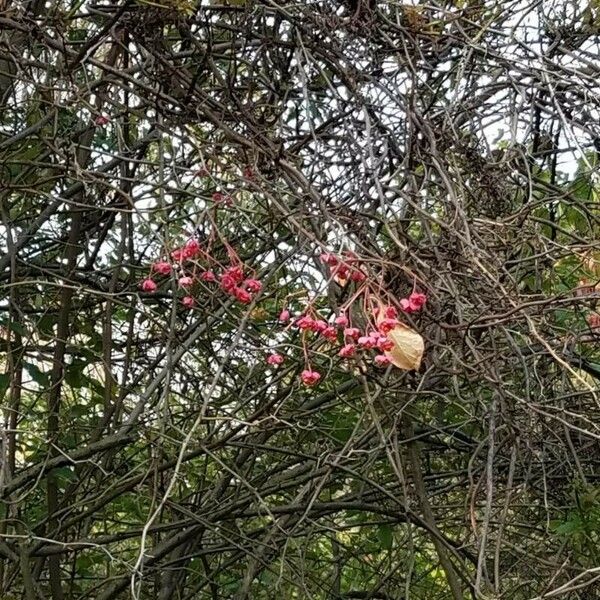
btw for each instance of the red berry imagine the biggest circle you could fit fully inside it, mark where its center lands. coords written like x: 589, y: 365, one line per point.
x: 164, y: 268
x: 177, y: 255
x: 367, y: 342
x: 242, y: 295
x: 305, y: 322
x: 253, y: 285
x: 208, y: 276
x: 347, y: 351
x: 329, y: 333
x: 227, y: 282
x: 329, y: 259
x: 319, y: 326
x: 191, y: 249
x: 381, y: 360
x: 148, y: 285
x: 352, y: 332
x: 310, y: 377
x: 275, y: 359
x: 387, y: 325
x: 341, y: 321
x: 391, y: 312
x: 237, y: 273
x: 358, y: 276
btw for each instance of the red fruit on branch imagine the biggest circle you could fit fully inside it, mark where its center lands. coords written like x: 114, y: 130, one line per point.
x: 275, y: 359
x: 384, y: 344
x: 236, y: 273
x: 413, y: 303
x: 177, y: 255
x: 367, y: 342
x: 319, y: 326
x: 253, y: 285
x: 149, y: 285
x: 310, y: 377
x: 188, y: 301
x: 329, y: 333
x: 227, y: 283
x: 391, y: 312
x: 242, y: 295
x: 347, y: 351
x: 382, y: 360
x: 191, y: 249
x: 386, y: 325
x: 358, y: 276
x: 329, y: 259
x: 305, y: 322
x: 341, y: 321
x: 352, y: 332
x: 162, y: 267
x: 208, y: 276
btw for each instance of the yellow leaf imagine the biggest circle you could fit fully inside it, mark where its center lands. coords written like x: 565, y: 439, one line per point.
x: 591, y: 262
x: 408, y: 347
x: 258, y: 314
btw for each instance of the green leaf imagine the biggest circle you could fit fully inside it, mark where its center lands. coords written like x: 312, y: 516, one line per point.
x: 41, y: 378
x: 4, y: 384
x: 385, y: 533
x: 74, y: 375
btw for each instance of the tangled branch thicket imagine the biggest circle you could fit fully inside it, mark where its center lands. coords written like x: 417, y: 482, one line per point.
x: 148, y: 450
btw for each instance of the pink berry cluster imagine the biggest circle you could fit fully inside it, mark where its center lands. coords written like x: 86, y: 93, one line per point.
x: 350, y: 340
x: 195, y: 267
x: 593, y: 320
x: 587, y: 287
x: 221, y: 198
x: 344, y: 268
x: 187, y: 261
